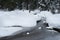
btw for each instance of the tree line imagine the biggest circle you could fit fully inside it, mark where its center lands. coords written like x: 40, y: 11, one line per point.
x: 20, y: 4
x: 30, y: 4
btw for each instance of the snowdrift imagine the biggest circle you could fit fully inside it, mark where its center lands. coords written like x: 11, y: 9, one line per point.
x: 52, y: 19
x: 17, y: 17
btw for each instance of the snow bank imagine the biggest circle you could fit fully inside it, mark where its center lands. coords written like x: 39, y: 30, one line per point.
x: 17, y: 17
x: 52, y: 19
x: 7, y: 31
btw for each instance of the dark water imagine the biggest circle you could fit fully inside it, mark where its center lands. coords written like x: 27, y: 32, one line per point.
x: 34, y: 35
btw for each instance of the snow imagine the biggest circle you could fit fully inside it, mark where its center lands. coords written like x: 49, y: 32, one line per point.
x: 17, y: 17
x: 27, y: 33
x: 25, y: 19
x: 39, y: 28
x: 52, y: 19
x: 7, y: 31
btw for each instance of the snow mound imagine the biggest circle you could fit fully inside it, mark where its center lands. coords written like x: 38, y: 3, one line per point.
x: 52, y: 19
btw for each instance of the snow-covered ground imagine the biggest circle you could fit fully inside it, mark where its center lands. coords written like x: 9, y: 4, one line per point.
x: 16, y: 17
x: 25, y: 19
x: 7, y: 31
x: 52, y: 19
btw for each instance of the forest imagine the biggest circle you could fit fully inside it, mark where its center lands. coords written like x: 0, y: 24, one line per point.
x: 30, y: 4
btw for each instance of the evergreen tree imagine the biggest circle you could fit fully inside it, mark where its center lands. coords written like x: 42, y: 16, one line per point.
x: 30, y: 4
